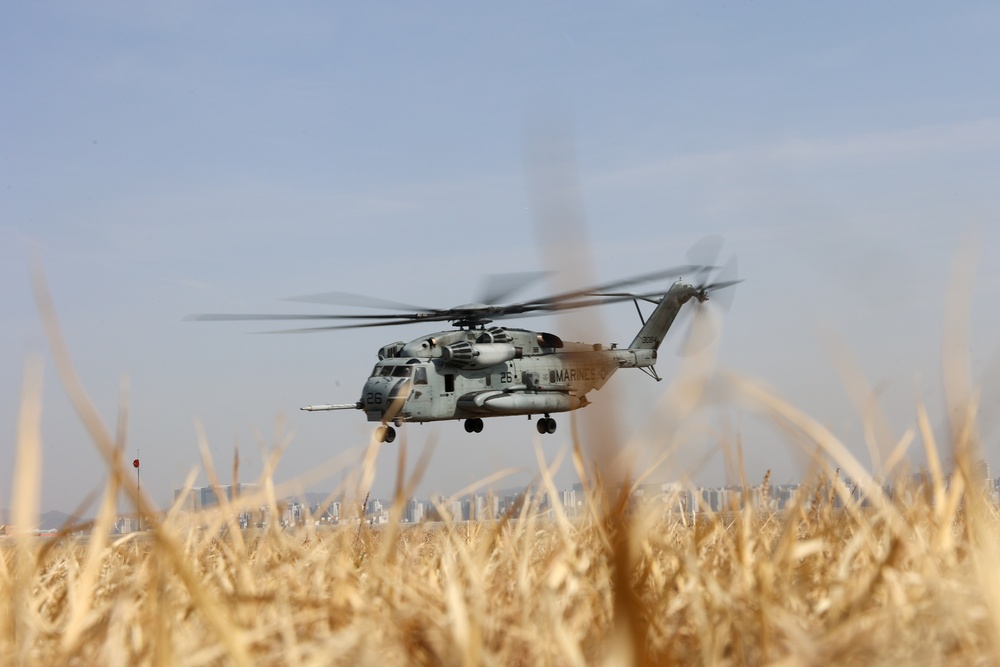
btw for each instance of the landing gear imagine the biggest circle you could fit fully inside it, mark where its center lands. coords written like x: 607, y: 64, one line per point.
x: 385, y: 433
x: 546, y: 425
x: 474, y: 425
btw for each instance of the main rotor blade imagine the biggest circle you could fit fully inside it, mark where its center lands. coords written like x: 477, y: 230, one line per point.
x: 364, y: 325
x: 558, y: 301
x: 360, y: 300
x: 498, y: 287
x: 401, y: 318
x: 702, y: 256
x: 586, y: 298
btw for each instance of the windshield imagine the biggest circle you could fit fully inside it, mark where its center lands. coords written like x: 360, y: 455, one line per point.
x: 401, y: 371
x: 385, y: 371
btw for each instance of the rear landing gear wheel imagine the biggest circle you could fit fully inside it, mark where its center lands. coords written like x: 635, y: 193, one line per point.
x: 546, y: 425
x: 474, y: 425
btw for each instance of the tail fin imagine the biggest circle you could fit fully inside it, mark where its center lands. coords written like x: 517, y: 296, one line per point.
x: 652, y: 332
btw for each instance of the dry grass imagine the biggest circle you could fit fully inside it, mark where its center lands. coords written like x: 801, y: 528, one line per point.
x: 911, y: 579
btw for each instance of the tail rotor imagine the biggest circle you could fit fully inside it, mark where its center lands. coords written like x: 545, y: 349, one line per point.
x: 714, y: 290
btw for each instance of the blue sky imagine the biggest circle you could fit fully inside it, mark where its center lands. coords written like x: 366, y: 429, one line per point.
x: 174, y: 160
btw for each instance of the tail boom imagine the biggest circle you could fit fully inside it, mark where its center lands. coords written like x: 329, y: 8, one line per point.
x: 651, y: 334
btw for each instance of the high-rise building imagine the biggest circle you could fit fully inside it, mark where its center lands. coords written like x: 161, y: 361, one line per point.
x: 414, y: 511
x: 203, y: 497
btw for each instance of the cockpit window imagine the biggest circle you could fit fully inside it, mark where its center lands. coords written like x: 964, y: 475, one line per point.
x: 420, y: 375
x: 386, y: 371
x: 401, y: 371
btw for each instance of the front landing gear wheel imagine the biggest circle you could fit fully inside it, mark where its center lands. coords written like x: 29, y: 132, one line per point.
x: 385, y: 434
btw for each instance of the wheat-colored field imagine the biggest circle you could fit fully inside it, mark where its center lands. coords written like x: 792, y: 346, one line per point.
x: 910, y: 579
x: 841, y: 577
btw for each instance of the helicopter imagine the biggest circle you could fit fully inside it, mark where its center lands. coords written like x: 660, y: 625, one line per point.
x: 476, y: 371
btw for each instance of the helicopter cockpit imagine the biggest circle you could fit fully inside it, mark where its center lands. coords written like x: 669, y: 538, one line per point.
x: 385, y: 370
x: 418, y: 373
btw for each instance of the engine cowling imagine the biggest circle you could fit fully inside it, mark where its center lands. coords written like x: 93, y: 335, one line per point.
x: 477, y: 355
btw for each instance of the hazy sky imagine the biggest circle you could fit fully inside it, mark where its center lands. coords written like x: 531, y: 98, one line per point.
x: 169, y: 160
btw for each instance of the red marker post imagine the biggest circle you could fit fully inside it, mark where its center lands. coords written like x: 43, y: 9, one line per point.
x: 138, y: 510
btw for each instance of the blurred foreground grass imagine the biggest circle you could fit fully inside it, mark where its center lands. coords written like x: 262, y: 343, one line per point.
x: 842, y: 577
x: 905, y: 580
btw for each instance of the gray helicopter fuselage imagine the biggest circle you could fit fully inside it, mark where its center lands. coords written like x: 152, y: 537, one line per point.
x: 470, y: 373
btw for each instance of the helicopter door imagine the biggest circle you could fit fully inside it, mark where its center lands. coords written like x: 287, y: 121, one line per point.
x: 421, y: 400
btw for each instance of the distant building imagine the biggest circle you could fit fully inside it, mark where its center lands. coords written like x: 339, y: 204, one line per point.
x: 785, y: 495
x: 568, y: 499
x: 414, y: 511
x: 326, y: 514
x: 203, y: 497
x: 675, y: 497
x: 125, y: 523
x: 293, y: 515
x: 375, y: 512
x: 710, y: 500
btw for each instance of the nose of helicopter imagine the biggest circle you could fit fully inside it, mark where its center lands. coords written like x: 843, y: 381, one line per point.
x: 384, y: 397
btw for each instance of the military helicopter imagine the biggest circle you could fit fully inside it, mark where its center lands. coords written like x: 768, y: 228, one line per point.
x: 476, y: 371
